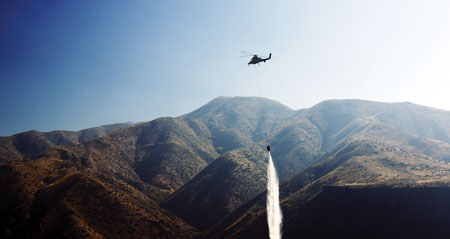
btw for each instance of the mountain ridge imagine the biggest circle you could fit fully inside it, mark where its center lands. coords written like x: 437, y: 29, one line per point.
x: 175, y: 165
x: 30, y: 144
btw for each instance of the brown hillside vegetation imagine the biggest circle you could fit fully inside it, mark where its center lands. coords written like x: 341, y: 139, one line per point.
x: 52, y: 198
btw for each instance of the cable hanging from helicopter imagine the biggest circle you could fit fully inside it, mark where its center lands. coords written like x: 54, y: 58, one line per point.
x: 256, y: 60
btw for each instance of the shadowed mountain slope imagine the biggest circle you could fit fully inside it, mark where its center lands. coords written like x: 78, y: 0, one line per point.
x: 224, y: 185
x: 373, y: 212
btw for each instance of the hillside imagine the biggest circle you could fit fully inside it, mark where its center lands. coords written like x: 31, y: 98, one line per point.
x: 31, y: 144
x: 107, y: 177
x: 204, y: 173
x: 224, y: 185
x: 53, y: 198
x: 375, y: 156
x: 161, y: 154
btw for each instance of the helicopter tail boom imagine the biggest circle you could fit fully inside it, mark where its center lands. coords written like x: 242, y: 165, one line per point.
x: 268, y: 58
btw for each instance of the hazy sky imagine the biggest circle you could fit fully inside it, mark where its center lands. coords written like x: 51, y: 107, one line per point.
x: 77, y: 64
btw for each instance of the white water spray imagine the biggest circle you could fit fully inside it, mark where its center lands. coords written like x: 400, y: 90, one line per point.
x: 274, y: 216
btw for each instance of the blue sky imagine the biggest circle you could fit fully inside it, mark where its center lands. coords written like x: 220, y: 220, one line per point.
x: 78, y: 64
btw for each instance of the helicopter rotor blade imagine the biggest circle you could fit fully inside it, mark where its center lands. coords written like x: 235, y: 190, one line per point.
x: 243, y: 52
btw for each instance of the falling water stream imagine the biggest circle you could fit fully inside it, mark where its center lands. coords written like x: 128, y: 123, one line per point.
x: 274, y: 216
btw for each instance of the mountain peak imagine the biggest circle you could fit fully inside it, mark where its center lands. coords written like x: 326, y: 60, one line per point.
x: 254, y: 105
x: 241, y: 121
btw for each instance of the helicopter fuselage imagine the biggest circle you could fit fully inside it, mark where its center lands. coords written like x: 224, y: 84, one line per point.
x: 256, y: 60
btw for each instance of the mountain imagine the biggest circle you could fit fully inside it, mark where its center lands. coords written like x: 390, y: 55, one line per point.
x: 203, y: 174
x: 363, y: 151
x: 308, y: 140
x: 119, y: 178
x: 31, y: 144
x: 152, y: 159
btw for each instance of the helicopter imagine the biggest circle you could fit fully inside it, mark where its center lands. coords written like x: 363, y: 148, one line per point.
x: 256, y: 59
